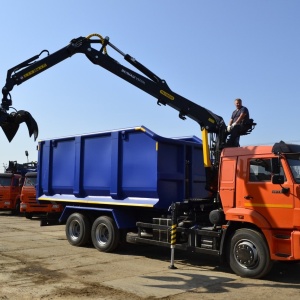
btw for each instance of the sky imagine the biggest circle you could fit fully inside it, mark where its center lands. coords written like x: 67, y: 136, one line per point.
x: 208, y: 51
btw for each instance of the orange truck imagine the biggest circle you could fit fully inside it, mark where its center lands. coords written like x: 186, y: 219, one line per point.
x: 29, y: 205
x: 11, y: 182
x: 241, y: 204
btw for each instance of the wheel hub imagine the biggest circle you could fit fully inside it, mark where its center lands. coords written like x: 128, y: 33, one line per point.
x: 102, y: 234
x: 74, y: 230
x: 246, y: 254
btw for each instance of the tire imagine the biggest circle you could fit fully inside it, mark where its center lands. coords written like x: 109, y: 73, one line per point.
x: 16, y: 210
x: 78, y: 229
x: 28, y: 216
x: 248, y: 254
x: 105, y: 234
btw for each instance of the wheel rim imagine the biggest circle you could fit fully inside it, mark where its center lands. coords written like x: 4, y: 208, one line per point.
x: 245, y: 254
x: 102, y: 234
x: 74, y: 230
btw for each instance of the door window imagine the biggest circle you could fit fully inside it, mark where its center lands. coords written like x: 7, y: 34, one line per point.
x: 260, y: 170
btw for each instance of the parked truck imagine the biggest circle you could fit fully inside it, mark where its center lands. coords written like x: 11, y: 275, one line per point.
x: 237, y: 203
x: 11, y: 182
x: 29, y: 206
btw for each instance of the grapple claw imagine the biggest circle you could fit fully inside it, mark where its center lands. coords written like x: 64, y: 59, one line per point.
x: 10, y: 123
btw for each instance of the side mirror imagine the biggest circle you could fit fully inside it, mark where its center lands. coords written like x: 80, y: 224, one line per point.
x: 277, y: 179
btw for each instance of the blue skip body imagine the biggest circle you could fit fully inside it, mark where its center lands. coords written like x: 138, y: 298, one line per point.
x: 128, y: 167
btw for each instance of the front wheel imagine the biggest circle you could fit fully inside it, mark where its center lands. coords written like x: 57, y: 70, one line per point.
x: 28, y: 215
x: 248, y: 254
x: 16, y: 210
x: 105, y: 234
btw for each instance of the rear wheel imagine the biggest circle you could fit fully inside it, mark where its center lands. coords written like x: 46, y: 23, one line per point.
x: 248, y: 254
x: 105, y: 234
x: 78, y: 229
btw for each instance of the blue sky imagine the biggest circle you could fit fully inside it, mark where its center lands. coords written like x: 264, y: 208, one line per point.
x: 209, y: 51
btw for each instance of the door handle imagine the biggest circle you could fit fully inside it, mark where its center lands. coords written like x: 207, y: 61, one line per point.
x: 248, y: 197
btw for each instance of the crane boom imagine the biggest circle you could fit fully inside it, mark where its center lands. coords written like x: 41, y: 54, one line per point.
x: 148, y: 82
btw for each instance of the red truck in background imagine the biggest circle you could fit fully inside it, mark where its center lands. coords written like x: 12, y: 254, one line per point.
x: 11, y: 182
x: 29, y: 205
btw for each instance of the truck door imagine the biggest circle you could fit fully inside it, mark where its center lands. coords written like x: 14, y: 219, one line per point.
x: 275, y: 202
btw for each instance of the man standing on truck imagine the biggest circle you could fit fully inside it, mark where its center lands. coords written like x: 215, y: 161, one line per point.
x: 236, y: 124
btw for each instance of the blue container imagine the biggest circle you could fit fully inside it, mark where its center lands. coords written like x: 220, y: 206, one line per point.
x: 132, y: 167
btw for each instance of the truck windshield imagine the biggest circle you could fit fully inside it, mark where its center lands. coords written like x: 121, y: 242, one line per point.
x: 5, y: 181
x: 294, y: 163
x: 30, y: 181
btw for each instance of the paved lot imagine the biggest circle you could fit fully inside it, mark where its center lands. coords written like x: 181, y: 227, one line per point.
x: 38, y: 263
